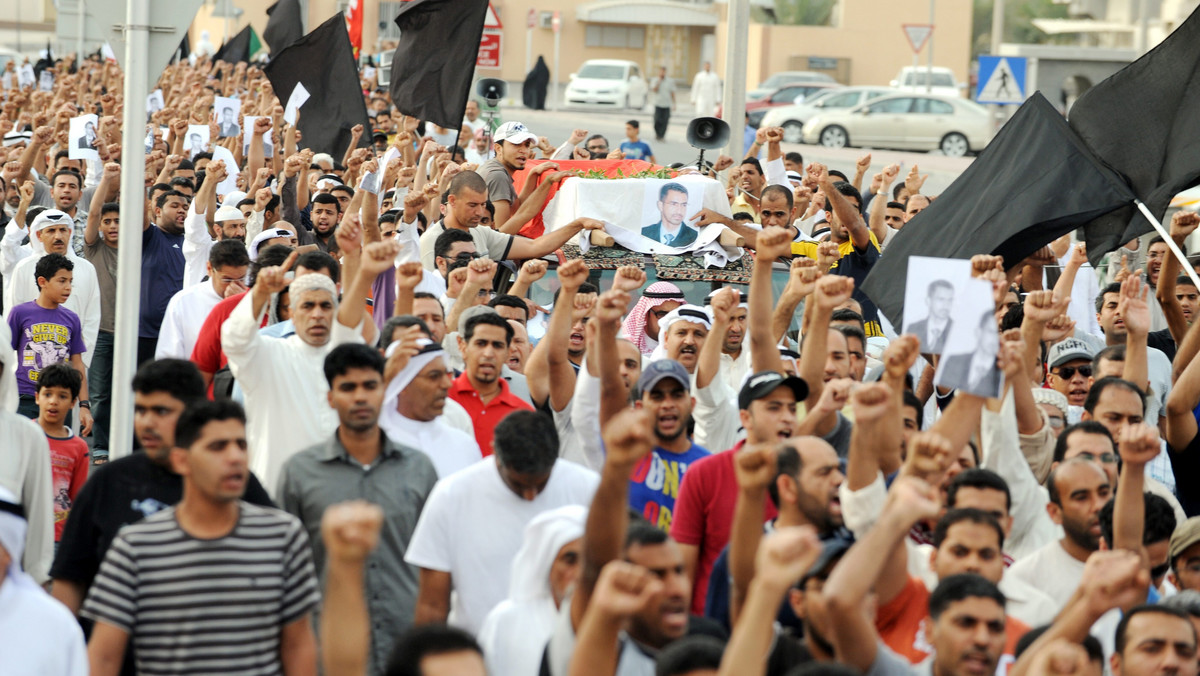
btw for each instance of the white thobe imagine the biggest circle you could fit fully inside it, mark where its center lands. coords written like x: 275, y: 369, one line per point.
x: 285, y: 387
x: 450, y: 449
x: 181, y: 323
x: 84, y: 300
x: 196, y: 245
x: 706, y: 93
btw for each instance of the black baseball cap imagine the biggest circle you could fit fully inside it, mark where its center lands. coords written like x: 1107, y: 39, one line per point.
x: 763, y: 383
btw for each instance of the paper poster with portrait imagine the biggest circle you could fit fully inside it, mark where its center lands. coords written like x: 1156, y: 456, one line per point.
x: 196, y: 140
x: 647, y: 215
x: 226, y: 111
x: 929, y: 299
x: 248, y: 127
x: 969, y: 361
x: 82, y: 135
x: 154, y: 102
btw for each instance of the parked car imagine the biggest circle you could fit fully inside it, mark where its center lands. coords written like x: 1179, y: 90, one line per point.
x: 905, y: 122
x: 913, y: 79
x: 785, y: 77
x: 783, y: 96
x: 607, y: 82
x: 793, y: 117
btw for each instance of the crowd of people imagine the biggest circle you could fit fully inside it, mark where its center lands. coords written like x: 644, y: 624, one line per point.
x: 363, y: 448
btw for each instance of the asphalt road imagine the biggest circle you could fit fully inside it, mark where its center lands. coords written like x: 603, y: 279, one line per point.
x: 557, y: 126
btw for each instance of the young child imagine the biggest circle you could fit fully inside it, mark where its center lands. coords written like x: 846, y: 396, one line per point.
x: 57, y: 390
x: 44, y: 333
x: 635, y: 149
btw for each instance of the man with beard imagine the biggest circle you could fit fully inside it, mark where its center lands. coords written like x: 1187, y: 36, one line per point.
x: 616, y: 555
x: 641, y: 325
x: 484, y: 344
x: 399, y: 480
x: 163, y: 265
x: 185, y: 315
x: 140, y: 484
x: 325, y: 215
x: 229, y: 223
x: 514, y: 145
x: 1079, y: 488
x: 466, y: 206
x: 416, y: 402
x: 664, y: 392
x: 735, y: 361
x: 934, y: 328
x: 966, y: 625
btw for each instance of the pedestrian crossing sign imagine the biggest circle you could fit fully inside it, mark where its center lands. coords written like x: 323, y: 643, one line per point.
x: 1001, y: 79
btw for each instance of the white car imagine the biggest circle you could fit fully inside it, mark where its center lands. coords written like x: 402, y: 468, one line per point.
x: 905, y: 121
x: 784, y: 78
x: 607, y: 82
x: 793, y: 117
x: 915, y: 80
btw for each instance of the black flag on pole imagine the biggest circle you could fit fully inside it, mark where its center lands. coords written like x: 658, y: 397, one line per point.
x: 435, y: 60
x: 238, y: 48
x: 1144, y: 122
x: 324, y: 63
x: 1035, y: 182
x: 284, y: 25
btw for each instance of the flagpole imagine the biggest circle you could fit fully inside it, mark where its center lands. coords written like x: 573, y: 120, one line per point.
x: 1187, y: 267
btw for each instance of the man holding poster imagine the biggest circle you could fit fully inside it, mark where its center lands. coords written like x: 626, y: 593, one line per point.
x: 670, y: 228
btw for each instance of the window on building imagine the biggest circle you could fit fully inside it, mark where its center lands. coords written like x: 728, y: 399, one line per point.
x: 626, y: 37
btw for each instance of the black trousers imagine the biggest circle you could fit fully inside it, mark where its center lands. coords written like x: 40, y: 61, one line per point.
x: 661, y: 117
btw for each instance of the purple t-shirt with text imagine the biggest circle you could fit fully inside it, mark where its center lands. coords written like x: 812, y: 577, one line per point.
x: 42, y: 338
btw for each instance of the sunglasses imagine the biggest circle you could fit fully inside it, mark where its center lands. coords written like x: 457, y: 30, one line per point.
x: 1068, y: 372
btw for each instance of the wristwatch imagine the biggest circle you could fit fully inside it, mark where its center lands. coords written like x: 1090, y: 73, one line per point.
x: 84, y: 403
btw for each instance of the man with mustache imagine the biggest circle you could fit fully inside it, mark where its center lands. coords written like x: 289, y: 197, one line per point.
x: 163, y: 266
x: 484, y: 345
x: 399, y: 481
x: 200, y: 227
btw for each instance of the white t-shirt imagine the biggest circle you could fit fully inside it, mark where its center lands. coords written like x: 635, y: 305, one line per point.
x: 1050, y: 570
x: 473, y: 525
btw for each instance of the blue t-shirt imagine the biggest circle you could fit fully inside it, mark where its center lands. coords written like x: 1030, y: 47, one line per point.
x: 162, y: 277
x: 638, y: 150
x: 654, y: 484
x: 42, y: 338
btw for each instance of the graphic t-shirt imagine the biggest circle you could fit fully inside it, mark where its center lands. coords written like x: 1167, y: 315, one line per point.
x: 636, y: 150
x: 69, y: 459
x: 655, y: 482
x: 42, y: 338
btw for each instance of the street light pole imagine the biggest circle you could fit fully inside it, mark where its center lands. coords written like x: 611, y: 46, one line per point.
x: 733, y: 100
x: 133, y: 203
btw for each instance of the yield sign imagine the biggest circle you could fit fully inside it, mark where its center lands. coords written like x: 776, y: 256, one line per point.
x: 917, y: 34
x: 492, y: 20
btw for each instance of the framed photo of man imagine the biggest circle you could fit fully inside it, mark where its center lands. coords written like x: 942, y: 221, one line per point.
x: 82, y: 137
x: 929, y: 296
x: 226, y: 111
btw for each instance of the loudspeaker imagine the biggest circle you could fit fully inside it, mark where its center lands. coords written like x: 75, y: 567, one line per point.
x: 708, y: 133
x: 491, y: 89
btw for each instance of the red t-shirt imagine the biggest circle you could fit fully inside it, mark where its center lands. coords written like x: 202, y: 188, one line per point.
x: 704, y: 514
x: 485, y: 417
x: 207, y: 355
x: 69, y: 460
x: 901, y: 625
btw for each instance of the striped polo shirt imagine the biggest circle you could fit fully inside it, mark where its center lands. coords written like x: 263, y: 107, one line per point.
x: 206, y: 606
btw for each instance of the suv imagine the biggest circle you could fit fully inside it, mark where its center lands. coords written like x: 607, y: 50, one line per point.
x: 608, y: 82
x: 913, y: 79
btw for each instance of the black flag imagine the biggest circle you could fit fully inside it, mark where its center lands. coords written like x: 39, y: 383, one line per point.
x: 435, y: 60
x: 283, y: 25
x: 1144, y: 122
x: 1035, y: 181
x: 237, y: 49
x: 185, y: 49
x: 324, y: 63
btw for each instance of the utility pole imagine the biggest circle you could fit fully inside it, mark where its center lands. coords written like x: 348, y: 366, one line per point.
x: 733, y: 100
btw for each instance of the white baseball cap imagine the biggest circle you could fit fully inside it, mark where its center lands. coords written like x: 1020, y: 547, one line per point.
x: 514, y: 132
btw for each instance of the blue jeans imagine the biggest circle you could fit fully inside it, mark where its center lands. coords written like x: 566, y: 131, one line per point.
x: 100, y: 390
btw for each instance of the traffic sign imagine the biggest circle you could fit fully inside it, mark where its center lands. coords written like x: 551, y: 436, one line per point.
x: 917, y: 34
x: 492, y: 20
x: 1001, y: 79
x: 489, y: 50
x: 531, y: 18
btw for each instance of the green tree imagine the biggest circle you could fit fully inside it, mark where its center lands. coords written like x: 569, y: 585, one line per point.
x: 1018, y: 23
x: 797, y: 13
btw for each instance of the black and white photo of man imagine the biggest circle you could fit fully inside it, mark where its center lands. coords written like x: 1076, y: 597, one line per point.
x: 933, y: 329
x: 975, y: 371
x: 227, y: 116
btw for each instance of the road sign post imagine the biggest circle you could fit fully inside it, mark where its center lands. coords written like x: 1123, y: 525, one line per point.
x: 530, y: 24
x: 917, y: 34
x: 556, y: 24
x: 1002, y: 80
